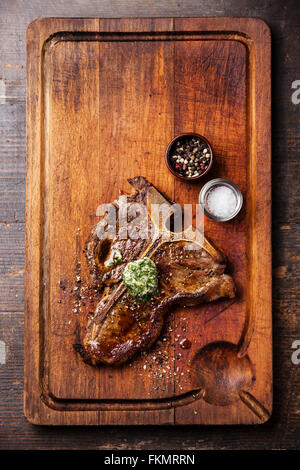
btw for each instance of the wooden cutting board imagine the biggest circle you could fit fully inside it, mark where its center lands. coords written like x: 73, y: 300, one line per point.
x: 105, y: 97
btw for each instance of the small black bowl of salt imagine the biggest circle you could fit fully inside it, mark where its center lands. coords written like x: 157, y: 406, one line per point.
x: 220, y: 200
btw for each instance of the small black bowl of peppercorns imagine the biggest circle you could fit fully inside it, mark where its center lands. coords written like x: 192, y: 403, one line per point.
x: 189, y: 156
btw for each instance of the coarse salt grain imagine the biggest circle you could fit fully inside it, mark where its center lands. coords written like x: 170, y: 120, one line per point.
x: 221, y: 201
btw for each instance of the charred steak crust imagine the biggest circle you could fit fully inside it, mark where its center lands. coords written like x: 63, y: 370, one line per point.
x: 97, y: 250
x: 188, y: 274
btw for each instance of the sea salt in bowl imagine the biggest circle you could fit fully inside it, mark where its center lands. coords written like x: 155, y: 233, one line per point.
x: 220, y: 199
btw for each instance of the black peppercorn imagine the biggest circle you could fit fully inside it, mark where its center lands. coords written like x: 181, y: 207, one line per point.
x: 190, y: 157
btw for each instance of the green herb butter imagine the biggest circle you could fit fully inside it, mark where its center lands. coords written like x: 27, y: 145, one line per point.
x: 115, y: 258
x: 140, y: 278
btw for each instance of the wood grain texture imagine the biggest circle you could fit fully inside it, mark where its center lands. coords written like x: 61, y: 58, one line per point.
x: 214, y: 104
x: 282, y: 431
x: 109, y: 101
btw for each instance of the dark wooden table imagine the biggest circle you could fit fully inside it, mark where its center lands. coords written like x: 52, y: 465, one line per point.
x: 283, y: 430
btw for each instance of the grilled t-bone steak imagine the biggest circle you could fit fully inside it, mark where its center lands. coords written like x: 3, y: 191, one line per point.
x: 189, y: 273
